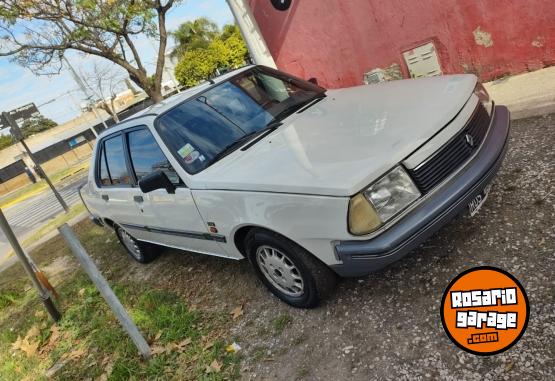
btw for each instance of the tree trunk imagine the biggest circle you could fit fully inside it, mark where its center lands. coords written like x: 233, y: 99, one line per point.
x: 155, y: 95
x: 144, y: 82
x: 110, y: 112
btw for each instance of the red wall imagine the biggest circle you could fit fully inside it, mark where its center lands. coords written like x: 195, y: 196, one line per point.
x: 338, y: 40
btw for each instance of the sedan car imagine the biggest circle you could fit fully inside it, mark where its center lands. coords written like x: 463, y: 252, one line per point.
x: 307, y: 183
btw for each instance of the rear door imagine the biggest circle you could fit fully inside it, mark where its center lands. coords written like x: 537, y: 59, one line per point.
x: 115, y: 183
x: 170, y: 219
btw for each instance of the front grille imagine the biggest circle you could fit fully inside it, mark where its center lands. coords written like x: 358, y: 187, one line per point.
x: 453, y: 154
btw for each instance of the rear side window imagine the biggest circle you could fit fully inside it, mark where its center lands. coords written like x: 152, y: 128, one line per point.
x: 115, y: 160
x: 147, y: 157
x: 104, y: 175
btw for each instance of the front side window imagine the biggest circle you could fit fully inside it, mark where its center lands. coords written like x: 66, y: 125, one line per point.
x: 147, y: 157
x: 115, y: 160
x: 201, y: 129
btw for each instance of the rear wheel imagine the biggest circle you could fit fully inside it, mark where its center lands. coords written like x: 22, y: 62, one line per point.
x: 288, y: 271
x: 142, y: 252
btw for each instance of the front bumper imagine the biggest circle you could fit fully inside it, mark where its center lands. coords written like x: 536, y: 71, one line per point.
x: 363, y: 257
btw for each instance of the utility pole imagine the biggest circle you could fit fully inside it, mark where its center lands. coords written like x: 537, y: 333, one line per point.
x: 81, y: 84
x: 251, y: 33
x: 16, y: 133
x: 76, y: 103
x: 29, y: 269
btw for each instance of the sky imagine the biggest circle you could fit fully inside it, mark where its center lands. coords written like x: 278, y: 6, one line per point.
x: 58, y: 97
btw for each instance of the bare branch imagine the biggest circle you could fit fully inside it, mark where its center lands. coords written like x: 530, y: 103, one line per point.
x: 36, y: 33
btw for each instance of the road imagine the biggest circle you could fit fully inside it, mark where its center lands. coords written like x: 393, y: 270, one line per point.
x: 32, y: 213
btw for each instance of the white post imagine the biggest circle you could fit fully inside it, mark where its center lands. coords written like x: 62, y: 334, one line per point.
x: 105, y: 290
x: 83, y: 88
x: 251, y: 33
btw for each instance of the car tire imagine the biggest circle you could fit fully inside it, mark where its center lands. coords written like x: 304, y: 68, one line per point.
x: 142, y: 252
x: 287, y: 270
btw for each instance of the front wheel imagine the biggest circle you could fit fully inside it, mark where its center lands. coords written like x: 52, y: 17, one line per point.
x: 288, y: 271
x: 142, y: 252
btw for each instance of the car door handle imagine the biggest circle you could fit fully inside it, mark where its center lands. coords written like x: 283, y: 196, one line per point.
x: 138, y: 199
x: 105, y: 197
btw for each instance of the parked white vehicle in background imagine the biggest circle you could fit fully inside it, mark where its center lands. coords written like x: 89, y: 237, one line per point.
x: 306, y: 183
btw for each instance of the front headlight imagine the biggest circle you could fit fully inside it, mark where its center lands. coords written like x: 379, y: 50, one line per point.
x: 363, y: 218
x: 381, y: 201
x: 482, y: 94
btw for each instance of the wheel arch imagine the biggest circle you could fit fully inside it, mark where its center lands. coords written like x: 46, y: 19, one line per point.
x: 242, y: 231
x: 109, y: 223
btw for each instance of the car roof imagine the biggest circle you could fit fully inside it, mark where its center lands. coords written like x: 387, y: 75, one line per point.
x: 159, y: 108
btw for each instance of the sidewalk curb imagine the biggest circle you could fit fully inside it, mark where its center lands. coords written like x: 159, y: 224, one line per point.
x: 527, y: 94
x: 25, y: 196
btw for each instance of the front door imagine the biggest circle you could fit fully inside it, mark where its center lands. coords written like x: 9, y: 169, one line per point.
x: 168, y: 219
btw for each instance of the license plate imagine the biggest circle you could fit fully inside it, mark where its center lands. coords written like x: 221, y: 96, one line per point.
x: 477, y: 202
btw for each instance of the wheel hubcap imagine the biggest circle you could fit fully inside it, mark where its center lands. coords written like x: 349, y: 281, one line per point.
x: 130, y: 244
x: 280, y: 270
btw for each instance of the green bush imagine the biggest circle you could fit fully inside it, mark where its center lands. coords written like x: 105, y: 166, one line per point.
x: 6, y: 141
x: 195, y: 66
x: 225, y: 50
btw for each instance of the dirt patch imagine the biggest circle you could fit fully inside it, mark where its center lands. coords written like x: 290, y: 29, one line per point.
x: 59, y: 268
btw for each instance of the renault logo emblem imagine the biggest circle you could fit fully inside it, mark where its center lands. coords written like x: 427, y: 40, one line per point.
x: 469, y: 140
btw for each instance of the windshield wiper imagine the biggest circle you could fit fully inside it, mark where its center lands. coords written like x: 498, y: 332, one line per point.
x: 295, y: 107
x: 241, y: 141
x: 260, y: 134
x: 229, y: 149
x: 311, y: 103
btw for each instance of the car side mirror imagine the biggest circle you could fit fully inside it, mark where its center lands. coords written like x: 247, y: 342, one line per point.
x: 313, y: 80
x: 156, y: 180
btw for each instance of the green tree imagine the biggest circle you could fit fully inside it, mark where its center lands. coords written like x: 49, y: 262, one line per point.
x: 36, y: 125
x: 227, y: 49
x: 237, y: 52
x: 195, y: 66
x: 37, y: 33
x: 229, y: 30
x: 6, y: 141
x: 195, y: 34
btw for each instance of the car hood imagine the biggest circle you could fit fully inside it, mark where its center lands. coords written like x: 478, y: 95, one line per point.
x: 343, y: 143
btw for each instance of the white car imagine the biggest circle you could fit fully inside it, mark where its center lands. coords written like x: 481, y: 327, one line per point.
x: 306, y: 183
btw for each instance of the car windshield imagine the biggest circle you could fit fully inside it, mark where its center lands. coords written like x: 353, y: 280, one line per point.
x: 212, y: 124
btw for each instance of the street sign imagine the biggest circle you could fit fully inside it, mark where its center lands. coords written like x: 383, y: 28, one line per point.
x: 14, y: 128
x: 21, y: 115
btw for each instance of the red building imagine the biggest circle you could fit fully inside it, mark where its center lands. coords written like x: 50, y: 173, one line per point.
x: 337, y: 41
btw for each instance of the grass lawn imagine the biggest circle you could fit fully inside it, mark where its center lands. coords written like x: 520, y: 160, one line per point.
x: 188, y: 342
x: 53, y: 224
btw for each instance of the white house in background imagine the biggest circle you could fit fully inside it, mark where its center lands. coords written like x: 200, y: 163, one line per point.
x: 169, y: 83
